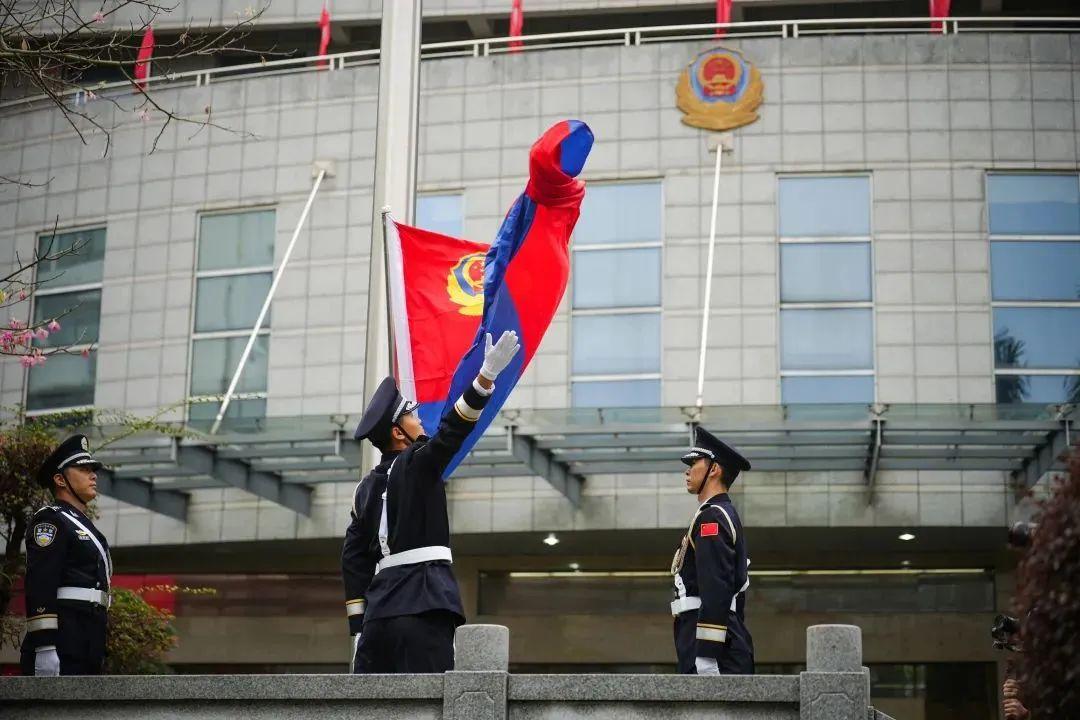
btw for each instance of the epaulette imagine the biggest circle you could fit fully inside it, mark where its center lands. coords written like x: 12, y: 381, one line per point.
x: 54, y: 508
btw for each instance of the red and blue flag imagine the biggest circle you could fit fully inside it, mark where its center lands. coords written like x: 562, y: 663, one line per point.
x: 445, y: 296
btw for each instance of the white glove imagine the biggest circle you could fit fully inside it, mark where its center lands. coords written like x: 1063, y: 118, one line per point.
x: 706, y: 666
x: 46, y: 662
x: 355, y: 647
x: 498, y: 356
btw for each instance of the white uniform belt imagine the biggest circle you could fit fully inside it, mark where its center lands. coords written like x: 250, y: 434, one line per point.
x: 683, y: 604
x: 98, y: 597
x: 416, y: 555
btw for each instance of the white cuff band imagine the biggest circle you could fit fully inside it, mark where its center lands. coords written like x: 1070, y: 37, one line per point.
x: 481, y: 389
x: 46, y: 648
x: 42, y: 622
x: 355, y: 607
x: 712, y: 634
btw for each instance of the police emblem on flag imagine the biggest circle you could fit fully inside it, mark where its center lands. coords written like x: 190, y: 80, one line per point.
x: 44, y: 534
x: 465, y: 284
x: 719, y: 90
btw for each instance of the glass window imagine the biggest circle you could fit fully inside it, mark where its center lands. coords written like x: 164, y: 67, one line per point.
x: 441, y: 213
x: 1049, y: 389
x: 82, y: 266
x: 814, y: 206
x: 1033, y: 204
x: 79, y: 315
x: 833, y: 339
x: 825, y: 272
x: 617, y: 278
x: 1032, y: 270
x: 214, y: 360
x: 612, y: 344
x: 239, y: 410
x: 236, y: 240
x: 799, y: 389
x: 1037, y: 337
x: 231, y: 302
x: 615, y: 393
x: 620, y: 213
x: 63, y: 381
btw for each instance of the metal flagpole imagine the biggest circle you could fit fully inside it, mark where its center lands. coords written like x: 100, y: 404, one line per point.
x: 322, y: 172
x: 708, y: 276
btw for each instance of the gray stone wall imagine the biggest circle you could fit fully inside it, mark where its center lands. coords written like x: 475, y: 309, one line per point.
x: 835, y: 687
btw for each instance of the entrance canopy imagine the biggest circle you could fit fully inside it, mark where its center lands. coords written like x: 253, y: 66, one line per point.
x: 282, y: 458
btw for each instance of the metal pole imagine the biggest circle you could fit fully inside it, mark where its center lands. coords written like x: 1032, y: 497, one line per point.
x: 266, y: 303
x: 708, y: 278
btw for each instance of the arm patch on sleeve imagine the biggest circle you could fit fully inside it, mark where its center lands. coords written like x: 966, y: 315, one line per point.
x: 710, y: 529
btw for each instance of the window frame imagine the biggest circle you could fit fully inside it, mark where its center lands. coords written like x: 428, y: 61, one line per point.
x: 194, y: 335
x: 782, y: 305
x: 1032, y: 304
x: 658, y: 309
x: 46, y: 291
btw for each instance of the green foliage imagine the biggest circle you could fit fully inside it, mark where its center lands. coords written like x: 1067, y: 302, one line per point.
x: 139, y: 635
x: 23, y: 448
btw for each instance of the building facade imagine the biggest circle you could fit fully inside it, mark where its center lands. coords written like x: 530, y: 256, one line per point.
x: 897, y: 261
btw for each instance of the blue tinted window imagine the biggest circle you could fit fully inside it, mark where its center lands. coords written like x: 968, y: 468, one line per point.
x: 1038, y: 388
x: 830, y: 389
x: 826, y: 339
x: 63, y: 381
x: 204, y: 413
x: 79, y: 315
x: 1034, y: 204
x: 1035, y: 270
x: 1037, y: 337
x: 214, y: 360
x: 617, y: 278
x: 616, y: 393
x: 620, y: 213
x: 441, y: 213
x: 236, y: 240
x: 609, y: 344
x: 231, y: 302
x: 83, y: 262
x: 824, y: 206
x: 824, y: 272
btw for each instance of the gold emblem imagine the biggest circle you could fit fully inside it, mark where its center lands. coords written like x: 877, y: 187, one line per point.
x: 719, y: 90
x: 465, y: 284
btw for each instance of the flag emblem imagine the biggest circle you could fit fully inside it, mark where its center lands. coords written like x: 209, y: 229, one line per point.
x: 719, y: 90
x: 709, y: 529
x: 465, y: 284
x: 44, y: 534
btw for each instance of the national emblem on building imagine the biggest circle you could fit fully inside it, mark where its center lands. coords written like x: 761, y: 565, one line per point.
x: 719, y: 90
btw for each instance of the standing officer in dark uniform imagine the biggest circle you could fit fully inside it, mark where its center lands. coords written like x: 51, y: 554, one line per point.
x: 710, y: 568
x: 402, y: 599
x: 68, y: 569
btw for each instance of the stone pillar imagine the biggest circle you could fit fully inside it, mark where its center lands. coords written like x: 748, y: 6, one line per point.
x: 476, y: 688
x: 835, y: 685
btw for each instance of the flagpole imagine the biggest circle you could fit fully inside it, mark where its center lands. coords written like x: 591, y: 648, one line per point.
x: 322, y: 172
x: 390, y: 340
x: 719, y: 149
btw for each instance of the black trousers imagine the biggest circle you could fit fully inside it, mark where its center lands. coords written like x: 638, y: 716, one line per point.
x: 421, y: 643
x: 80, y: 642
x: 735, y: 658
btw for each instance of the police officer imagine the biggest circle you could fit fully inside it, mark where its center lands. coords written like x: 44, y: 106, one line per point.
x: 710, y: 568
x: 402, y: 599
x: 68, y: 569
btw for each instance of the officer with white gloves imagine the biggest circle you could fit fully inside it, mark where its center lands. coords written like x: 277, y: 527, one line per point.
x: 401, y: 597
x: 68, y: 570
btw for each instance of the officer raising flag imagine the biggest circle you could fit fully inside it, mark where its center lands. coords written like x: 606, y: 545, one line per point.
x: 402, y: 600
x: 710, y: 568
x: 68, y: 570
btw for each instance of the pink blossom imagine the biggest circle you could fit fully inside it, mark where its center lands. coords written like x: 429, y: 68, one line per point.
x: 26, y: 361
x: 39, y: 359
x: 22, y: 294
x: 42, y: 334
x: 98, y: 17
x: 85, y: 353
x: 90, y: 95
x: 24, y: 338
x: 143, y: 114
x: 7, y: 338
x: 53, y: 326
x: 15, y: 324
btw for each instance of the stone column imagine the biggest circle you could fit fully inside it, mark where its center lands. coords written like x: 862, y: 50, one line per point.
x: 834, y: 686
x: 476, y: 688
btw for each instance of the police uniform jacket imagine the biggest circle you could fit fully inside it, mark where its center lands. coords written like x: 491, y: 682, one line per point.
x: 710, y: 573
x: 400, y: 506
x: 65, y: 553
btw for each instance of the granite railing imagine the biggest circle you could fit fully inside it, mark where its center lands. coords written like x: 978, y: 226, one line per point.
x: 835, y: 686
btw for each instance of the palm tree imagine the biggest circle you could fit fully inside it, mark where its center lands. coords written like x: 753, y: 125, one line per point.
x: 1009, y: 352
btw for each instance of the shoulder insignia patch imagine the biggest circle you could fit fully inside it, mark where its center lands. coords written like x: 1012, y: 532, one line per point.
x: 44, y: 534
x: 709, y: 529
